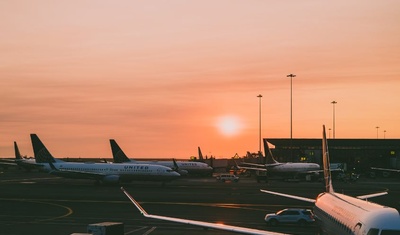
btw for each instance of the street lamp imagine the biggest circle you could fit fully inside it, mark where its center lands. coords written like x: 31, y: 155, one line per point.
x: 291, y: 112
x: 377, y: 135
x: 384, y: 134
x: 333, y: 103
x: 291, y: 103
x: 259, y: 122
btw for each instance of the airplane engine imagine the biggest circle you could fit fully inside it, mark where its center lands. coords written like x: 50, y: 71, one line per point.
x: 111, y: 179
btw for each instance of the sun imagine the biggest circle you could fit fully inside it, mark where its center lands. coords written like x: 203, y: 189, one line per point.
x: 229, y: 125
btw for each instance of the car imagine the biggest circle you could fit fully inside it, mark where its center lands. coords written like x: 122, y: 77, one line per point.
x: 298, y: 216
x: 227, y: 177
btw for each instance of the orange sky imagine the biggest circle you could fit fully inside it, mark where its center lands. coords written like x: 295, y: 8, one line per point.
x: 159, y: 76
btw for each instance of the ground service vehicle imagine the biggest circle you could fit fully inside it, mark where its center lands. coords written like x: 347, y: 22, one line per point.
x: 227, y: 177
x: 298, y: 216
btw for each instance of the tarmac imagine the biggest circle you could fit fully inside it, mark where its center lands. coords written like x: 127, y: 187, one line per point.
x: 39, y: 203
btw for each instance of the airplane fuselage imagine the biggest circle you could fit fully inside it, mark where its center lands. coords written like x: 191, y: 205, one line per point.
x: 190, y: 167
x: 349, y: 215
x: 292, y: 167
x: 113, y: 172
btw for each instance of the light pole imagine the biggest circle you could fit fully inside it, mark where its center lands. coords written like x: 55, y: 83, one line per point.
x: 384, y: 134
x: 377, y: 133
x: 291, y: 103
x: 291, y: 113
x: 259, y: 122
x: 333, y: 103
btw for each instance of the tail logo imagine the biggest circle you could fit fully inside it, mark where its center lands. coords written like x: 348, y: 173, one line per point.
x: 44, y: 156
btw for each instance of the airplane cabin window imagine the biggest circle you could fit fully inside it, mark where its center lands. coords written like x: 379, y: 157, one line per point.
x: 373, y: 231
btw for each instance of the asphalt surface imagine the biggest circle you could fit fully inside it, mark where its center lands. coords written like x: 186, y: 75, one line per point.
x: 38, y: 203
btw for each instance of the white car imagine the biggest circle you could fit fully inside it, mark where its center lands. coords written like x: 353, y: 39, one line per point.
x: 301, y: 217
x: 227, y: 177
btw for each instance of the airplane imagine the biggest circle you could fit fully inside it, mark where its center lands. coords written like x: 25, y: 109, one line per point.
x: 342, y: 214
x: 273, y: 167
x: 182, y: 167
x: 385, y: 169
x: 218, y: 226
x: 386, y: 172
x: 101, y: 172
x: 23, y: 162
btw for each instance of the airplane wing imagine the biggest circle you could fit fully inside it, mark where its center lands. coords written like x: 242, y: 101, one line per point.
x: 321, y: 171
x: 257, y: 167
x: 372, y: 195
x: 252, y: 168
x: 199, y: 223
x: 253, y: 164
x: 385, y: 169
x: 289, y: 196
x: 7, y: 163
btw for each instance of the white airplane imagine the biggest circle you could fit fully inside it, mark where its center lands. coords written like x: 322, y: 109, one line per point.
x: 386, y: 172
x: 291, y: 169
x: 385, y: 169
x: 199, y: 223
x: 182, y: 167
x: 101, y: 172
x: 341, y: 214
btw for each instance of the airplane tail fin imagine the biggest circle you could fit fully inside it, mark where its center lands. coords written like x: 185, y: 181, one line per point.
x: 268, y: 154
x: 201, y: 159
x: 326, y: 162
x: 118, y: 155
x: 42, y: 155
x: 17, y: 153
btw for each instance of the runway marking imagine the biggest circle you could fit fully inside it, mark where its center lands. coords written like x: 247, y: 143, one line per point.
x: 24, y: 180
x: 150, y: 231
x: 69, y: 210
x: 136, y: 230
x: 211, y: 204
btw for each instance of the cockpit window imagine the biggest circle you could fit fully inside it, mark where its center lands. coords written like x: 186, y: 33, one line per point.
x: 373, y: 231
x: 390, y: 232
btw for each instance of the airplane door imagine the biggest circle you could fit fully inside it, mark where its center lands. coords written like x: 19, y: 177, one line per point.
x: 357, y: 228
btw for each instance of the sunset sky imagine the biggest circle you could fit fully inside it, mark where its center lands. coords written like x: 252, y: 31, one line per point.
x: 164, y: 77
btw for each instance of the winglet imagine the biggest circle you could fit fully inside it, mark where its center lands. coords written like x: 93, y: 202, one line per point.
x: 138, y: 206
x: 176, y: 167
x: 118, y: 155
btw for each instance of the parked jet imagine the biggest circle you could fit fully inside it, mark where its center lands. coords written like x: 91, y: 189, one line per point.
x: 341, y: 214
x: 199, y: 223
x: 101, y: 172
x: 182, y: 167
x: 386, y: 169
x: 23, y: 162
x: 285, y: 169
x: 386, y: 172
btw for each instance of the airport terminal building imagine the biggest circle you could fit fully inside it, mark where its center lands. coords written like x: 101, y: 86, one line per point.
x: 357, y: 155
